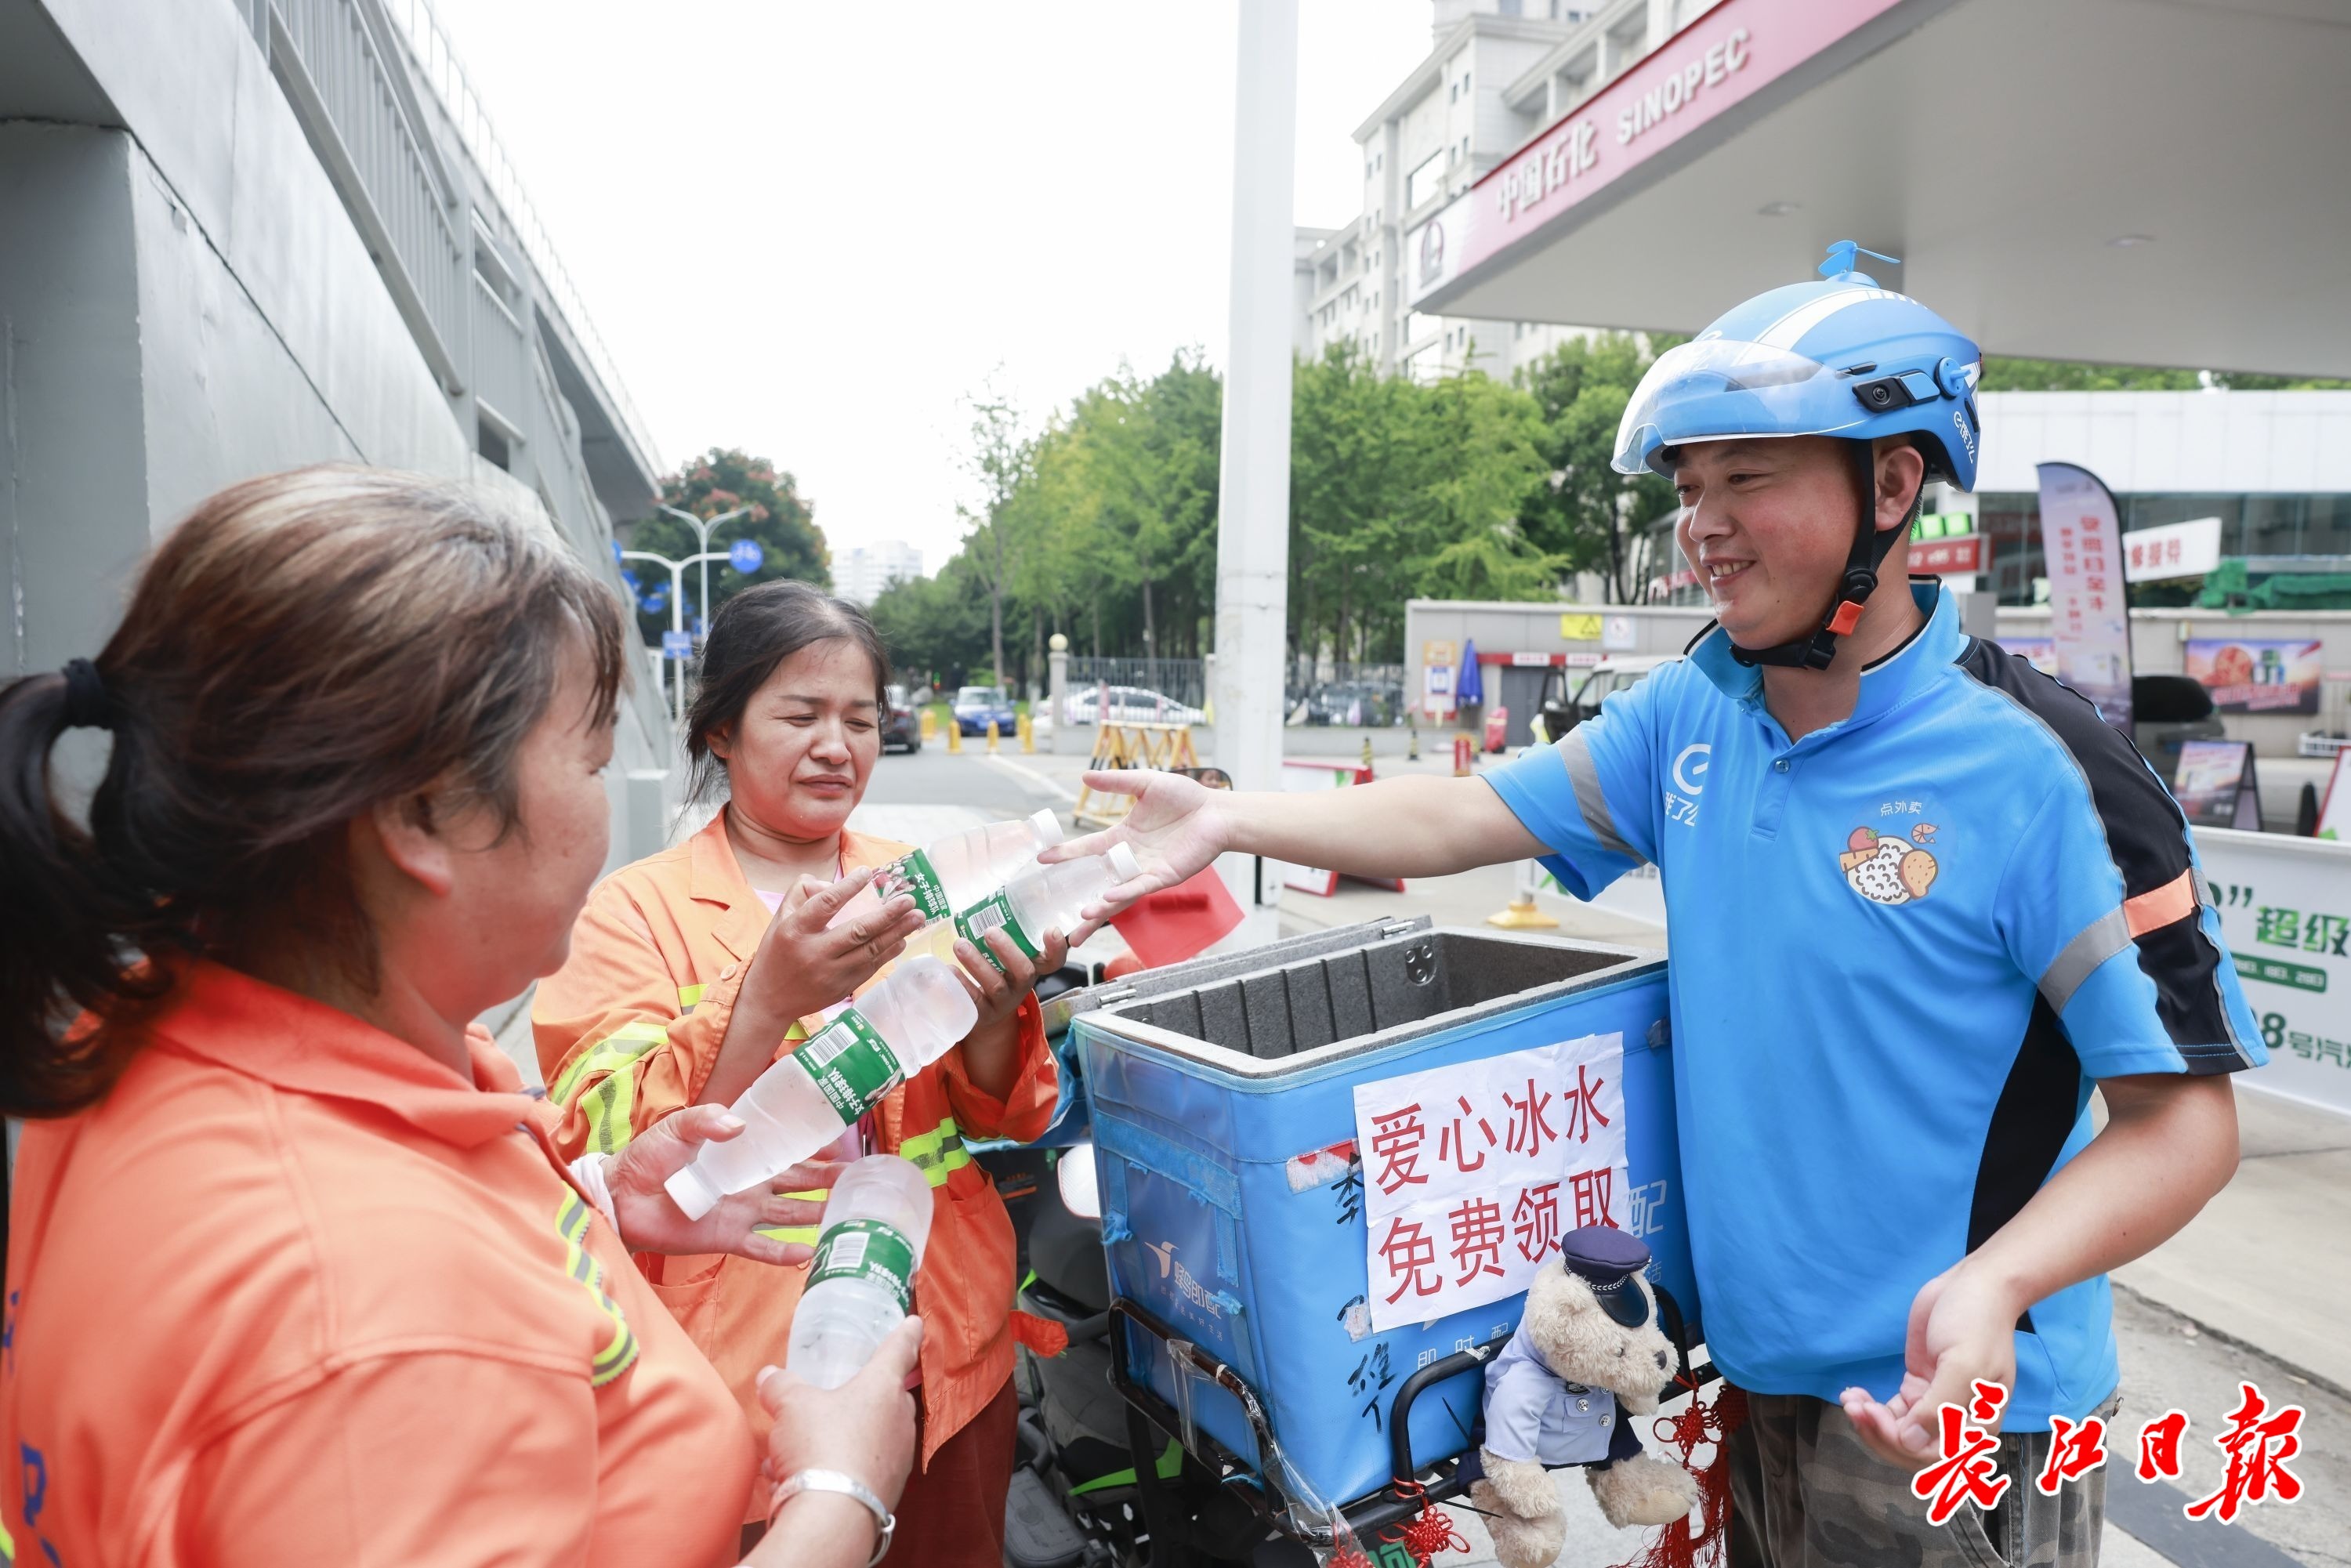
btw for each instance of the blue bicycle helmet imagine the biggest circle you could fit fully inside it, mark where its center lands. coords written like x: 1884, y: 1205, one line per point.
x: 1842, y: 358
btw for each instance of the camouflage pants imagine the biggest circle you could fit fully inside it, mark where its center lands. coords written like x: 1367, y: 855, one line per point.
x: 1805, y: 1493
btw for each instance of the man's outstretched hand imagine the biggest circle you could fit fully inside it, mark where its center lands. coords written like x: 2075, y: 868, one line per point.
x: 1962, y: 1328
x: 1176, y: 828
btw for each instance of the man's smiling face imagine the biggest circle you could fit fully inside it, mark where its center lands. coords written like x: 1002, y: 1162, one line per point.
x: 1766, y: 525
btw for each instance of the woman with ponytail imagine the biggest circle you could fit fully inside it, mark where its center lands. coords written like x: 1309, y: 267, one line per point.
x: 295, y: 1272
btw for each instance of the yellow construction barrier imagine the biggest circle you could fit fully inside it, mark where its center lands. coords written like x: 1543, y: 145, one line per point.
x: 955, y: 738
x: 930, y: 727
x: 1163, y: 746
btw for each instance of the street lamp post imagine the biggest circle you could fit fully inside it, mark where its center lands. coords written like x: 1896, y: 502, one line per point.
x: 743, y: 555
x: 702, y: 533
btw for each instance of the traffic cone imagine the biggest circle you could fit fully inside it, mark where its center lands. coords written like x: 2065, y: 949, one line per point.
x: 955, y: 737
x: 1367, y: 748
x: 1028, y: 727
x: 1463, y: 757
x: 991, y: 737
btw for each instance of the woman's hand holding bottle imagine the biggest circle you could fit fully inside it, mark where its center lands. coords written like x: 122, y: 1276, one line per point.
x: 863, y: 1429
x: 803, y: 966
x: 649, y: 1220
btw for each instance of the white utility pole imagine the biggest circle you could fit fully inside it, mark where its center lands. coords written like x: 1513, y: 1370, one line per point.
x: 1253, y: 502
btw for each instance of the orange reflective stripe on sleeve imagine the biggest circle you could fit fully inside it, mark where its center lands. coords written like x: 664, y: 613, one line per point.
x: 2175, y: 900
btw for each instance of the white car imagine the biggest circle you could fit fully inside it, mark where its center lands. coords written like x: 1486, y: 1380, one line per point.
x: 1128, y: 705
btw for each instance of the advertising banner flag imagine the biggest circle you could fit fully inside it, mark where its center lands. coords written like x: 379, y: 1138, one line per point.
x: 2258, y: 675
x: 2081, y: 544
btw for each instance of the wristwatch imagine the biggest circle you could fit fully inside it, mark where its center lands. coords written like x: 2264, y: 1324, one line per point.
x: 791, y: 1486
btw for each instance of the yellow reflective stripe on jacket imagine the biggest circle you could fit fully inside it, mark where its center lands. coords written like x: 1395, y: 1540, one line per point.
x: 621, y: 1354
x: 937, y: 1152
x: 607, y: 1105
x: 689, y: 995
x: 8, y: 1545
x: 804, y: 1234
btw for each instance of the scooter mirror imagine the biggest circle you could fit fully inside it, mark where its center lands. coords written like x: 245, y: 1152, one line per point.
x: 1075, y: 1170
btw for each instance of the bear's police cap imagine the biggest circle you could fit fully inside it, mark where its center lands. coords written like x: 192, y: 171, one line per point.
x: 1606, y: 1258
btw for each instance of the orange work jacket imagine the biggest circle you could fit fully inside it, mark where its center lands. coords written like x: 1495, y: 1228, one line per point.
x: 296, y: 1293
x: 629, y: 1031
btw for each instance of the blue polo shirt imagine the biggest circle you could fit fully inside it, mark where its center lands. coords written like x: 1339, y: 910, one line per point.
x: 1903, y: 946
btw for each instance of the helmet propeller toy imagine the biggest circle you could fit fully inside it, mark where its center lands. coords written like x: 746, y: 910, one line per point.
x: 1840, y: 358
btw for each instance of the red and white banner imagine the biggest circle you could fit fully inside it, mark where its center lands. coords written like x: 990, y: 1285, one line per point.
x: 1726, y: 56
x: 1960, y: 556
x: 1472, y: 1173
x: 2089, y: 614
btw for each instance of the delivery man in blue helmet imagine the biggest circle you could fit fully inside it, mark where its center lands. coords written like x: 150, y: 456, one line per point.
x: 1921, y: 899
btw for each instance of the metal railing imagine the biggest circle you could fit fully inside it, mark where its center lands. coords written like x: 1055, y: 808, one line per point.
x: 436, y: 63
x: 502, y: 351
x: 1140, y: 691
x: 337, y: 62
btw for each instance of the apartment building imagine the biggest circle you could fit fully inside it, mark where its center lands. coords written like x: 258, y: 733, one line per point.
x: 1498, y: 72
x: 861, y: 572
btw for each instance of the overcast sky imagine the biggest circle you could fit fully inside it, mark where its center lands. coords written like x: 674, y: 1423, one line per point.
x: 811, y: 230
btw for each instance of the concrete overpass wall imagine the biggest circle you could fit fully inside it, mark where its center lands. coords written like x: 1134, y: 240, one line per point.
x: 187, y: 301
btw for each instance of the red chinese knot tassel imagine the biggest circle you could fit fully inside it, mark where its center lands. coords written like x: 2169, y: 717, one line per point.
x: 1674, y: 1545
x: 1429, y: 1532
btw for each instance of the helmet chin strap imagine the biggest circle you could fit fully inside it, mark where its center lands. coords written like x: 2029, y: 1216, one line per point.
x: 1867, y: 553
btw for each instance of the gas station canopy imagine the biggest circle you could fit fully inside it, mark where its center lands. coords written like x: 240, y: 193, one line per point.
x: 2138, y: 182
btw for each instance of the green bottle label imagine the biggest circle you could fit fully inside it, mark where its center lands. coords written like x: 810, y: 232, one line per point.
x: 916, y: 876
x: 866, y: 1249
x: 852, y: 1065
x: 989, y: 913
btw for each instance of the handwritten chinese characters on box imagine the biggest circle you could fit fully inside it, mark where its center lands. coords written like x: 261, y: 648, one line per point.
x: 1472, y: 1173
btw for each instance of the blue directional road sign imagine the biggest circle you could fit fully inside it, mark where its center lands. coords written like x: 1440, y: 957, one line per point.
x: 745, y: 556
x: 677, y: 645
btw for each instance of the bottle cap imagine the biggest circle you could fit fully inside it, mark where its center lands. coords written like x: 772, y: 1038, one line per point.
x: 1123, y: 866
x: 1047, y: 827
x: 691, y: 1192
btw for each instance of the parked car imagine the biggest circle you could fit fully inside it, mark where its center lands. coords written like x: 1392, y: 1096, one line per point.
x: 1618, y: 673
x: 2166, y: 710
x: 902, y: 726
x: 1128, y: 705
x: 974, y: 706
x: 1375, y: 703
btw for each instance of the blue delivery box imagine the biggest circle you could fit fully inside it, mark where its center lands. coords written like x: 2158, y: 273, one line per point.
x: 1234, y: 1200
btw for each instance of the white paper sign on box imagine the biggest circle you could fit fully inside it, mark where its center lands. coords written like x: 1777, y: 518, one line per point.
x: 1472, y: 1173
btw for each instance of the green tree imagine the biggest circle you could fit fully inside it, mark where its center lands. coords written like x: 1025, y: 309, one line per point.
x: 1588, y: 515
x: 999, y: 465
x: 936, y: 628
x: 1485, y: 443
x: 1357, y: 467
x: 718, y: 482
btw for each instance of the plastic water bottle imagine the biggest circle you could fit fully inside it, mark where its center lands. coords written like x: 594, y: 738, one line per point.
x: 802, y: 1103
x: 1046, y: 898
x: 959, y: 870
x: 861, y: 1281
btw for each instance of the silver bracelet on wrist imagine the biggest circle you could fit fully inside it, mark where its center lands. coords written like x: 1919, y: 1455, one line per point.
x: 800, y: 1482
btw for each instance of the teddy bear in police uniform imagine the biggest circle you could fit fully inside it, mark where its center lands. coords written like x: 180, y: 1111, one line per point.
x: 1588, y: 1355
